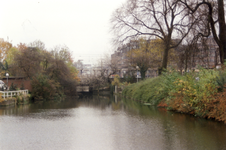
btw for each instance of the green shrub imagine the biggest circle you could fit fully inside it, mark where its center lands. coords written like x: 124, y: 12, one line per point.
x: 172, y: 84
x: 43, y: 87
x: 146, y: 90
x: 221, y: 81
x: 22, y: 86
x: 13, y: 87
x: 201, y: 94
x: 19, y: 99
x: 191, y: 90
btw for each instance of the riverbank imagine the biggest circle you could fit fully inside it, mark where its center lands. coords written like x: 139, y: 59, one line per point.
x: 201, y: 94
x: 12, y: 101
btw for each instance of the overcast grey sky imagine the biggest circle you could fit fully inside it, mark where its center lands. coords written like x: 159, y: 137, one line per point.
x: 82, y: 25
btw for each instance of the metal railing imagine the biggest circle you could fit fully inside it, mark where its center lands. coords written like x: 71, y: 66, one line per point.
x: 6, y: 94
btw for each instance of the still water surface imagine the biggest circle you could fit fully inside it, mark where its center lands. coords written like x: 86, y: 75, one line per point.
x: 105, y: 123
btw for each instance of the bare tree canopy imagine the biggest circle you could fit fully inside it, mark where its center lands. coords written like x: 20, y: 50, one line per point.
x: 214, y: 14
x: 164, y: 19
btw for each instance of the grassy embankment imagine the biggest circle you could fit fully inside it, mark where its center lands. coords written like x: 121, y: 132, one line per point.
x: 201, y: 94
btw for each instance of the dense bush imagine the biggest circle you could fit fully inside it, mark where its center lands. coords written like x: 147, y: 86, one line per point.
x: 44, y: 88
x: 191, y: 88
x: 147, y: 90
x: 221, y: 80
x: 22, y: 99
x: 22, y: 87
x: 13, y: 87
x: 194, y: 93
x: 191, y: 92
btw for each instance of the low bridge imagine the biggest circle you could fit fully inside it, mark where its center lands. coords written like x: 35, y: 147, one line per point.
x: 84, y: 88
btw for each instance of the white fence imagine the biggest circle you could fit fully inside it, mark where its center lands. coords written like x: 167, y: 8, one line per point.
x: 6, y: 94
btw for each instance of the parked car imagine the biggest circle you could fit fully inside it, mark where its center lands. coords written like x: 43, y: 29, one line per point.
x: 2, y: 86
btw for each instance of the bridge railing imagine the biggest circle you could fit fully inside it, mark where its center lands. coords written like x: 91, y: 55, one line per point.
x: 82, y: 88
x: 6, y: 94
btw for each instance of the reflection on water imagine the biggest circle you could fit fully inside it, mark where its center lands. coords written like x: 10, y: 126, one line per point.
x: 105, y: 122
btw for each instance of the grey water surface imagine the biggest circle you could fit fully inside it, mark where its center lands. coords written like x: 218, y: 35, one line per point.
x: 105, y: 123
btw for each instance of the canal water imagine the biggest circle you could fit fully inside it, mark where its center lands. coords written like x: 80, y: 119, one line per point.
x: 105, y: 123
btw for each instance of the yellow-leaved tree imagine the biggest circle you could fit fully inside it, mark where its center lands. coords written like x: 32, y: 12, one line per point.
x: 149, y: 54
x: 4, y: 48
x: 13, y: 51
x: 157, y: 47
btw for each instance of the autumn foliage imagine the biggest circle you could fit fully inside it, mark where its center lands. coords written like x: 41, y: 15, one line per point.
x: 214, y: 108
x: 149, y: 54
x: 200, y: 93
x: 52, y: 72
x: 200, y: 98
x: 217, y: 107
x: 4, y: 49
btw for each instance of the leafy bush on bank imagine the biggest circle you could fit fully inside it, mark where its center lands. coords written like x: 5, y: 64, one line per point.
x: 195, y: 93
x: 45, y: 88
x: 148, y: 90
x: 22, y: 99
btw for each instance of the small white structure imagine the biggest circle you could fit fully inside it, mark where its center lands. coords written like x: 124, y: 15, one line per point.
x: 6, y: 94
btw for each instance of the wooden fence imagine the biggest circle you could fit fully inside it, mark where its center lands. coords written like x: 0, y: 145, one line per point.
x: 6, y: 94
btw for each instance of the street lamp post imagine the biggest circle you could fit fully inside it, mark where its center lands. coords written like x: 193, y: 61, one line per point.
x: 124, y: 73
x: 137, y: 72
x: 7, y: 75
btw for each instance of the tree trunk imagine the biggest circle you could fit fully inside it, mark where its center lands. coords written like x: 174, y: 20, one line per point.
x: 221, y: 18
x: 142, y: 72
x: 165, y: 58
x: 186, y: 62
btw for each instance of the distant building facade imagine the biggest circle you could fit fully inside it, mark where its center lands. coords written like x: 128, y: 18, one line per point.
x: 120, y: 59
x: 206, y: 55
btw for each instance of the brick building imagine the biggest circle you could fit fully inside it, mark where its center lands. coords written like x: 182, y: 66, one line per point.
x: 18, y: 81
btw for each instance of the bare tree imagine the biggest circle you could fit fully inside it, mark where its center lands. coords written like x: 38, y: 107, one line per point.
x: 62, y: 52
x: 108, y: 66
x: 97, y: 82
x: 104, y: 68
x: 111, y: 66
x: 114, y: 65
x: 165, y: 19
x: 38, y: 44
x: 213, y: 12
